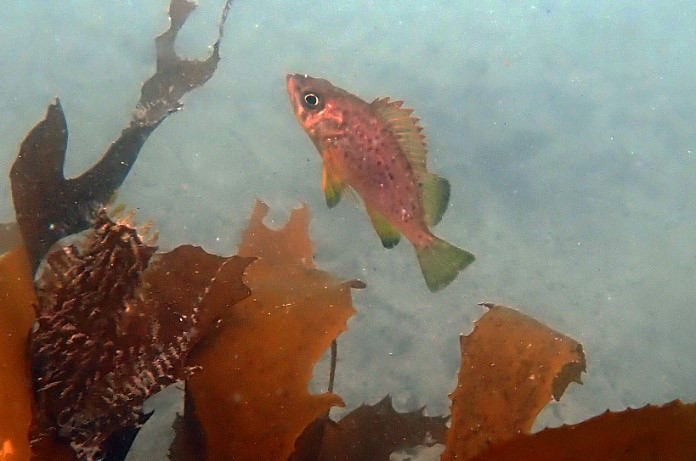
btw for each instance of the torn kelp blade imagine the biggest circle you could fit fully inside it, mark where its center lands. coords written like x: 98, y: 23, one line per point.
x: 512, y: 366
x: 50, y: 207
x: 251, y: 391
x: 650, y: 432
x: 368, y: 433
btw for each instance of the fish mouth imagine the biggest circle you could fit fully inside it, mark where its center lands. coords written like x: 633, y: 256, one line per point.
x: 293, y: 82
x: 293, y: 85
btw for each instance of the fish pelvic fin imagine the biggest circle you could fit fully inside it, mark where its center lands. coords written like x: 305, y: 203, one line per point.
x: 441, y: 262
x: 388, y: 234
x: 333, y: 187
x: 435, y: 196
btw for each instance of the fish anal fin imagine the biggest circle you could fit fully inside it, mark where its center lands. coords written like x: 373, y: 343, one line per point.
x: 435, y: 195
x: 387, y: 233
x: 333, y: 187
x: 407, y: 130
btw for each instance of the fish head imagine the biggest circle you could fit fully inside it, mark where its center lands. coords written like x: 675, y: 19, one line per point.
x: 318, y: 105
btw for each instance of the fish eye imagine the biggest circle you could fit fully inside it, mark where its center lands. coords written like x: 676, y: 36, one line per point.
x: 311, y: 100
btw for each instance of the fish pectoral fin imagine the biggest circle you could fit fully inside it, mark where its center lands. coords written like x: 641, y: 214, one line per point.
x: 435, y: 194
x: 389, y: 235
x: 333, y: 188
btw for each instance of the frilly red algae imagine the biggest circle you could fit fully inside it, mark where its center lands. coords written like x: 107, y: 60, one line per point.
x: 94, y: 361
x: 113, y: 329
x: 116, y: 325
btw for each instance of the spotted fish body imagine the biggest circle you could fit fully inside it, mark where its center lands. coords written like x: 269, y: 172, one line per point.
x: 378, y: 150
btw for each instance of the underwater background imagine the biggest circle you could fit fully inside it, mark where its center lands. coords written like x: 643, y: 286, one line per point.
x: 566, y: 129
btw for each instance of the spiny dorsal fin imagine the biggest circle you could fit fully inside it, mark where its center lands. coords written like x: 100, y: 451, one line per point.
x: 406, y: 129
x: 435, y: 190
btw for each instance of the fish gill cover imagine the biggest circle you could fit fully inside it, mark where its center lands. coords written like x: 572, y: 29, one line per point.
x: 109, y: 321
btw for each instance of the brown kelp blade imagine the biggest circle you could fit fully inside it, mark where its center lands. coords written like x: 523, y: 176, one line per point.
x: 512, y: 366
x: 651, y: 432
x: 175, y: 76
x: 178, y: 281
x: 255, y: 372
x: 47, y: 205
x: 368, y: 433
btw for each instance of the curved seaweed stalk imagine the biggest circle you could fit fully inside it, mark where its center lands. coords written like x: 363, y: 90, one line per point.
x: 48, y: 206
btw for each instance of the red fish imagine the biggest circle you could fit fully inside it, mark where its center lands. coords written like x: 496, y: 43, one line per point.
x: 378, y: 150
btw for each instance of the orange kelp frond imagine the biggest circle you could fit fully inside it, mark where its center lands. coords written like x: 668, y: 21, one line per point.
x: 17, y: 301
x: 512, y: 365
x: 263, y: 356
x: 651, y: 432
x: 288, y: 245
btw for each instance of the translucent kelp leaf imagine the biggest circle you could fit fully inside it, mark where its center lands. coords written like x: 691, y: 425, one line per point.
x: 648, y: 433
x: 176, y: 283
x: 181, y: 276
x: 250, y: 393
x: 288, y: 246
x: 512, y: 365
x: 17, y: 302
x: 368, y: 433
x: 175, y: 76
x: 49, y: 206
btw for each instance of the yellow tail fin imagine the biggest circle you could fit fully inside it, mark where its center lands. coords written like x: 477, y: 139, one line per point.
x: 440, y: 263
